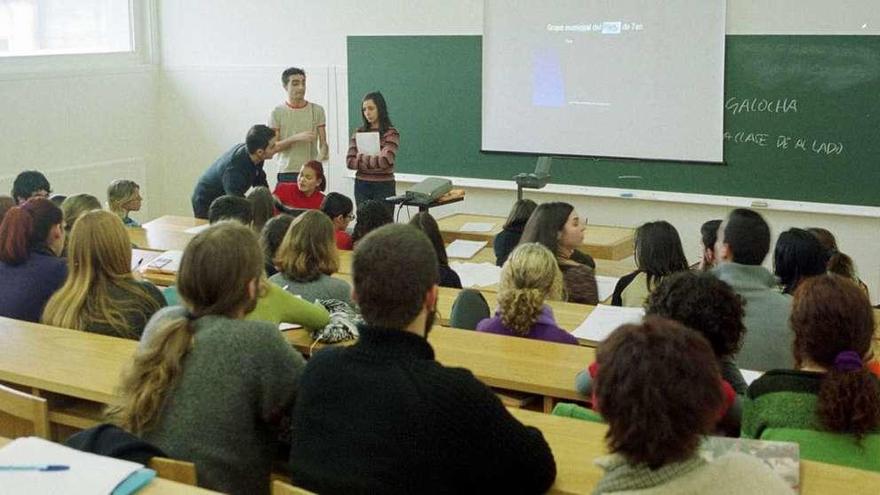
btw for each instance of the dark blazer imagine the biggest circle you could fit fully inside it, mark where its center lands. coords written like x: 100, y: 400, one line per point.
x: 382, y: 416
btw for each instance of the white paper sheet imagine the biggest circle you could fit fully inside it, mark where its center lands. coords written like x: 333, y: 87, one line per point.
x: 604, y: 320
x: 167, y: 262
x: 476, y: 227
x: 749, y: 375
x: 367, y: 143
x: 88, y: 473
x: 288, y: 326
x: 195, y: 230
x: 606, y: 286
x: 464, y: 249
x: 141, y: 257
x: 477, y: 274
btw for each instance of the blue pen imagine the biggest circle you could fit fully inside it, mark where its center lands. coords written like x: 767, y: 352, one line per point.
x: 35, y: 467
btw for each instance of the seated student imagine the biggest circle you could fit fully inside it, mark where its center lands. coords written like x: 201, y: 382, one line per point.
x: 308, y: 257
x: 658, y: 253
x: 274, y: 304
x: 708, y: 236
x: 831, y: 391
x: 743, y: 243
x: 383, y: 416
x: 101, y: 295
x: 339, y: 208
x: 371, y: 215
x: 798, y: 255
x: 426, y: 223
x: 30, y: 184
x: 529, y: 275
x: 262, y: 205
x: 231, y: 208
x: 31, y: 241
x: 270, y: 239
x: 703, y: 303
x: 307, y: 192
x: 123, y: 197
x: 205, y: 385
x: 657, y: 388
x: 558, y: 227
x: 838, y: 262
x: 508, y: 238
x: 6, y: 202
x: 75, y: 206
x: 235, y: 171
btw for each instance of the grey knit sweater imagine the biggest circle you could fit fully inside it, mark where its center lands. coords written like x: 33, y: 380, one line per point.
x: 238, y: 380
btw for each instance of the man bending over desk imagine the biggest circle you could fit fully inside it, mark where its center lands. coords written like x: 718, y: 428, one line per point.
x: 235, y: 171
x: 382, y: 416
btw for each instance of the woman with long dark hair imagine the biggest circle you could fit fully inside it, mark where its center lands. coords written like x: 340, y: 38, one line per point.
x: 558, y: 228
x: 375, y: 172
x: 658, y: 253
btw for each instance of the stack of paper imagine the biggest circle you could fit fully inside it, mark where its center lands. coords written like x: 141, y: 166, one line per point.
x: 604, y: 320
x: 167, y: 262
x: 464, y: 249
x: 606, y: 286
x: 367, y: 143
x: 477, y: 227
x: 85, y: 474
x: 477, y: 274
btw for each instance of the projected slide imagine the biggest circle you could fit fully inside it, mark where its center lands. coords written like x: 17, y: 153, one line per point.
x: 628, y: 78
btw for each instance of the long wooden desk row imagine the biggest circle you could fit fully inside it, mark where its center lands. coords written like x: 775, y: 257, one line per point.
x: 600, y: 241
x: 87, y: 366
x: 158, y: 486
x: 37, y: 359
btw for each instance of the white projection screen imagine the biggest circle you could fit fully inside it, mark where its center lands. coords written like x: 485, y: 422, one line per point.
x: 611, y: 78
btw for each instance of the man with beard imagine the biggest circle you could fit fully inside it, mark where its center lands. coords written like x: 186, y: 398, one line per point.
x: 383, y: 416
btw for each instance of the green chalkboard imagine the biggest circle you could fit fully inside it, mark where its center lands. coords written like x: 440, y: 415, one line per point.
x: 802, y: 119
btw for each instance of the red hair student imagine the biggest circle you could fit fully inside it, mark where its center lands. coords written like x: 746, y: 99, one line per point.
x: 31, y: 239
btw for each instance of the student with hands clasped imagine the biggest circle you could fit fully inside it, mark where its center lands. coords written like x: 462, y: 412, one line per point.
x: 375, y: 173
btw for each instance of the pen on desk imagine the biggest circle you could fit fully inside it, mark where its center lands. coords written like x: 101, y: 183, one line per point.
x: 34, y: 467
x: 138, y: 265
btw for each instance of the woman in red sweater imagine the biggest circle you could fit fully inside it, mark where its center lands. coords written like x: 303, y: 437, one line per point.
x: 306, y: 193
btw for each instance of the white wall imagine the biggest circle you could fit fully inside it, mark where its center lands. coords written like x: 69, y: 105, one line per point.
x: 222, y: 60
x: 81, y: 130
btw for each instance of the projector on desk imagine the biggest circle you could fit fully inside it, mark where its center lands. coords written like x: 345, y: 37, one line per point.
x: 427, y: 191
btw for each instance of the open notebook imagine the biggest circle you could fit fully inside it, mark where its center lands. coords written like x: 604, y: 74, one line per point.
x: 87, y: 474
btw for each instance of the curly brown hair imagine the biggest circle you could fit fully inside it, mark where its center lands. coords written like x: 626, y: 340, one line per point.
x: 704, y: 303
x: 658, y: 388
x: 830, y: 314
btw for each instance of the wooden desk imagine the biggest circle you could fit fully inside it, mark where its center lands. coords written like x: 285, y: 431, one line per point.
x: 600, y: 241
x: 164, y: 233
x: 158, y: 486
x: 88, y: 366
x: 576, y: 443
x: 510, y: 363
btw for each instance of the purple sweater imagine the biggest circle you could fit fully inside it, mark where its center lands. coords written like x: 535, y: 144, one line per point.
x: 545, y: 328
x: 26, y: 288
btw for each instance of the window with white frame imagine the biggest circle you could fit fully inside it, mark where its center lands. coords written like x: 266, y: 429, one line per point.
x: 64, y: 27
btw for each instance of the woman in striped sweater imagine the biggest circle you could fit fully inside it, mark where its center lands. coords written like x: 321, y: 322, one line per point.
x: 375, y: 173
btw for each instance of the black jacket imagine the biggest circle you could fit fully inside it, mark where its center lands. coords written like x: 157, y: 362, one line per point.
x: 382, y: 416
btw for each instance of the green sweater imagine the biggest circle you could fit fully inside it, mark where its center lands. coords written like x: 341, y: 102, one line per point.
x: 782, y: 404
x: 238, y: 381
x: 279, y: 306
x: 276, y: 306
